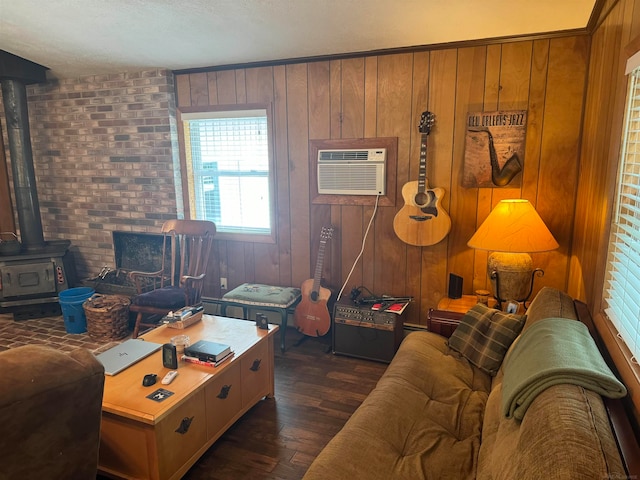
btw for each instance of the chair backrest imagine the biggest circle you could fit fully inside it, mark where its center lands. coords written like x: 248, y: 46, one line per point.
x: 191, y: 244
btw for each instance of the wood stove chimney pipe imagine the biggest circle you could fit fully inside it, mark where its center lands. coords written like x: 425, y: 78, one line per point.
x: 15, y: 73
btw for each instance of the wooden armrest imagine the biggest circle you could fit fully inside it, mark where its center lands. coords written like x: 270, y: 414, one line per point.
x: 188, y: 278
x: 135, y: 274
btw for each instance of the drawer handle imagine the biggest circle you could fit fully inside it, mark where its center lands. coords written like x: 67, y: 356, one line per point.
x: 256, y: 365
x: 184, y: 425
x: 224, y: 392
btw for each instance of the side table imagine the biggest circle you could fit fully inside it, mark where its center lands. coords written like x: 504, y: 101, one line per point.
x: 461, y: 305
x: 445, y: 318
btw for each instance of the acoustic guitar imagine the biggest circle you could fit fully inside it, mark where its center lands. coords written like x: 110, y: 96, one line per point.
x: 422, y: 221
x: 312, y: 316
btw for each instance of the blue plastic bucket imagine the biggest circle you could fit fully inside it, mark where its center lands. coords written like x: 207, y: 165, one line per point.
x: 71, y: 301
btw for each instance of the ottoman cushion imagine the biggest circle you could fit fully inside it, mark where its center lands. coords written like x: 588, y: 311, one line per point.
x: 263, y: 295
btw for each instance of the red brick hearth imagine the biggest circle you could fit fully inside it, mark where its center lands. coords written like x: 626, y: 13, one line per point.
x: 46, y: 331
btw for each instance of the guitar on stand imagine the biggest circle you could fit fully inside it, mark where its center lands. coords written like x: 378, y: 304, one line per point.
x: 312, y: 316
x: 422, y: 221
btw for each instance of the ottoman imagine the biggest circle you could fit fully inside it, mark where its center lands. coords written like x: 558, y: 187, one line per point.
x: 263, y: 298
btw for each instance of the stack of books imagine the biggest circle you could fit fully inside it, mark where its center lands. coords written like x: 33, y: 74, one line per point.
x: 207, y: 353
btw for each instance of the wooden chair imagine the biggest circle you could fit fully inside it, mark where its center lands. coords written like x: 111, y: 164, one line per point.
x: 185, y: 256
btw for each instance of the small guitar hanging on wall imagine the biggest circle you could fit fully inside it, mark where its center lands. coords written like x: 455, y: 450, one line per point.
x: 422, y: 221
x: 312, y: 316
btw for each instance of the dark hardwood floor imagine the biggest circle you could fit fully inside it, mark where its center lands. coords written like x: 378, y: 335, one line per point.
x: 316, y: 392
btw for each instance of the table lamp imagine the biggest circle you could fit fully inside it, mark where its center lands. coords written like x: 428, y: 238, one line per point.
x: 512, y: 230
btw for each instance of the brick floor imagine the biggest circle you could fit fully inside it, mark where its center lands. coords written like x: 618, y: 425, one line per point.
x: 46, y: 331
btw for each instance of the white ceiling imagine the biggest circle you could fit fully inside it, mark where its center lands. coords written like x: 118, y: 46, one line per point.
x: 82, y: 37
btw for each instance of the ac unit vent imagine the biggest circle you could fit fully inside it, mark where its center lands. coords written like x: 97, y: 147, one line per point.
x: 344, y: 155
x: 352, y: 171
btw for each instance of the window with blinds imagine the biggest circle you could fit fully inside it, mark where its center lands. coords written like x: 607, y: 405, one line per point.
x: 229, y: 170
x: 622, y: 281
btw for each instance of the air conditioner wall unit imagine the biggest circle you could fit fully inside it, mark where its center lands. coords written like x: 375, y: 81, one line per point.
x: 352, y: 171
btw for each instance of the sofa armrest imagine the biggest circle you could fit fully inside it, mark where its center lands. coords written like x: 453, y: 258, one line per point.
x: 621, y: 417
x: 50, y: 412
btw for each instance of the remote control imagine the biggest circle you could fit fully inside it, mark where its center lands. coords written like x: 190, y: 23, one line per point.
x: 168, y: 378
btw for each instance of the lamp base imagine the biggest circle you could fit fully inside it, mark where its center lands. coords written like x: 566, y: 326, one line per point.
x: 511, y: 276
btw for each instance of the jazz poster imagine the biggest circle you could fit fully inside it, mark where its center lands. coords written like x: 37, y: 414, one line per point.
x: 494, y: 149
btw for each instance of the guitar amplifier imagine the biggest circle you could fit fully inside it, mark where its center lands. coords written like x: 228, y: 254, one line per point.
x: 361, y: 332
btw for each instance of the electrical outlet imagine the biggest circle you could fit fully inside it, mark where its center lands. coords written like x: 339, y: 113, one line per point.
x: 223, y: 283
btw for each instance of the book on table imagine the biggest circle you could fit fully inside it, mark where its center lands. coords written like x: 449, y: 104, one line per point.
x: 208, y: 351
x: 396, y: 307
x: 197, y: 361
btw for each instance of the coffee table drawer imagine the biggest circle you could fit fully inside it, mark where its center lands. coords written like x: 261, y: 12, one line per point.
x: 124, y: 449
x: 131, y: 449
x: 181, y: 434
x: 223, y: 400
x: 255, y: 374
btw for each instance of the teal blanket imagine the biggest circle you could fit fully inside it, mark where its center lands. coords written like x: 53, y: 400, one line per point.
x: 550, y: 352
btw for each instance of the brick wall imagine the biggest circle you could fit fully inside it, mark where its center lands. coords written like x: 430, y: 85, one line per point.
x: 104, y: 149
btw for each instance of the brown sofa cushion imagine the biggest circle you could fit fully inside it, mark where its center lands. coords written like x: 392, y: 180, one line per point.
x: 422, y: 420
x: 484, y: 336
x: 50, y: 413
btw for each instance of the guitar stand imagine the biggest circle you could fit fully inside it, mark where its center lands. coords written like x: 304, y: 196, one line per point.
x: 304, y: 338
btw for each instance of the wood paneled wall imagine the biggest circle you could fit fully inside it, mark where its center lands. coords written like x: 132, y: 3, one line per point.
x: 604, y: 113
x: 384, y: 96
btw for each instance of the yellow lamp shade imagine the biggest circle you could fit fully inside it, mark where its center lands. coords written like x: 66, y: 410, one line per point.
x: 513, y: 226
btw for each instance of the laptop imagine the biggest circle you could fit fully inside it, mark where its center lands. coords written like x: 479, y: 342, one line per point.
x: 126, y: 354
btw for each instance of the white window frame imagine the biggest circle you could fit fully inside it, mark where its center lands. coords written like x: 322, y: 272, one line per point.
x: 190, y: 192
x: 621, y: 290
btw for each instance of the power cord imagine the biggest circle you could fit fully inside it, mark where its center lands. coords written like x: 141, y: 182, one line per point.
x: 357, y: 291
x: 364, y: 240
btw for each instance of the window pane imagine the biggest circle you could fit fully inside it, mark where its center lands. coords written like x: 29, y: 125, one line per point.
x: 229, y: 160
x: 622, y: 281
x: 244, y: 202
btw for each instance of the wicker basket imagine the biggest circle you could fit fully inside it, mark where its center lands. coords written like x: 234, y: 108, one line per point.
x: 107, y: 316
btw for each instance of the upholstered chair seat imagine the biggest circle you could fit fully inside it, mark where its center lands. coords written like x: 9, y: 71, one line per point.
x: 170, y: 297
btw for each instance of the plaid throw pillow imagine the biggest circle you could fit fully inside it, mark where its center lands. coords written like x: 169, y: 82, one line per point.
x: 484, y: 336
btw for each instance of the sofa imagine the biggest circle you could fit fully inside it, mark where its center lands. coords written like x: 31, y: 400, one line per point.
x: 50, y: 413
x: 435, y: 414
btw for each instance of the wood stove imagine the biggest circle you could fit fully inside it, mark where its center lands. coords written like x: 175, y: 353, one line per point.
x: 35, y: 278
x: 35, y: 275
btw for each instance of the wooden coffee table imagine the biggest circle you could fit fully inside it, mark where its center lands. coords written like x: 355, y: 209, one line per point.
x: 143, y: 438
